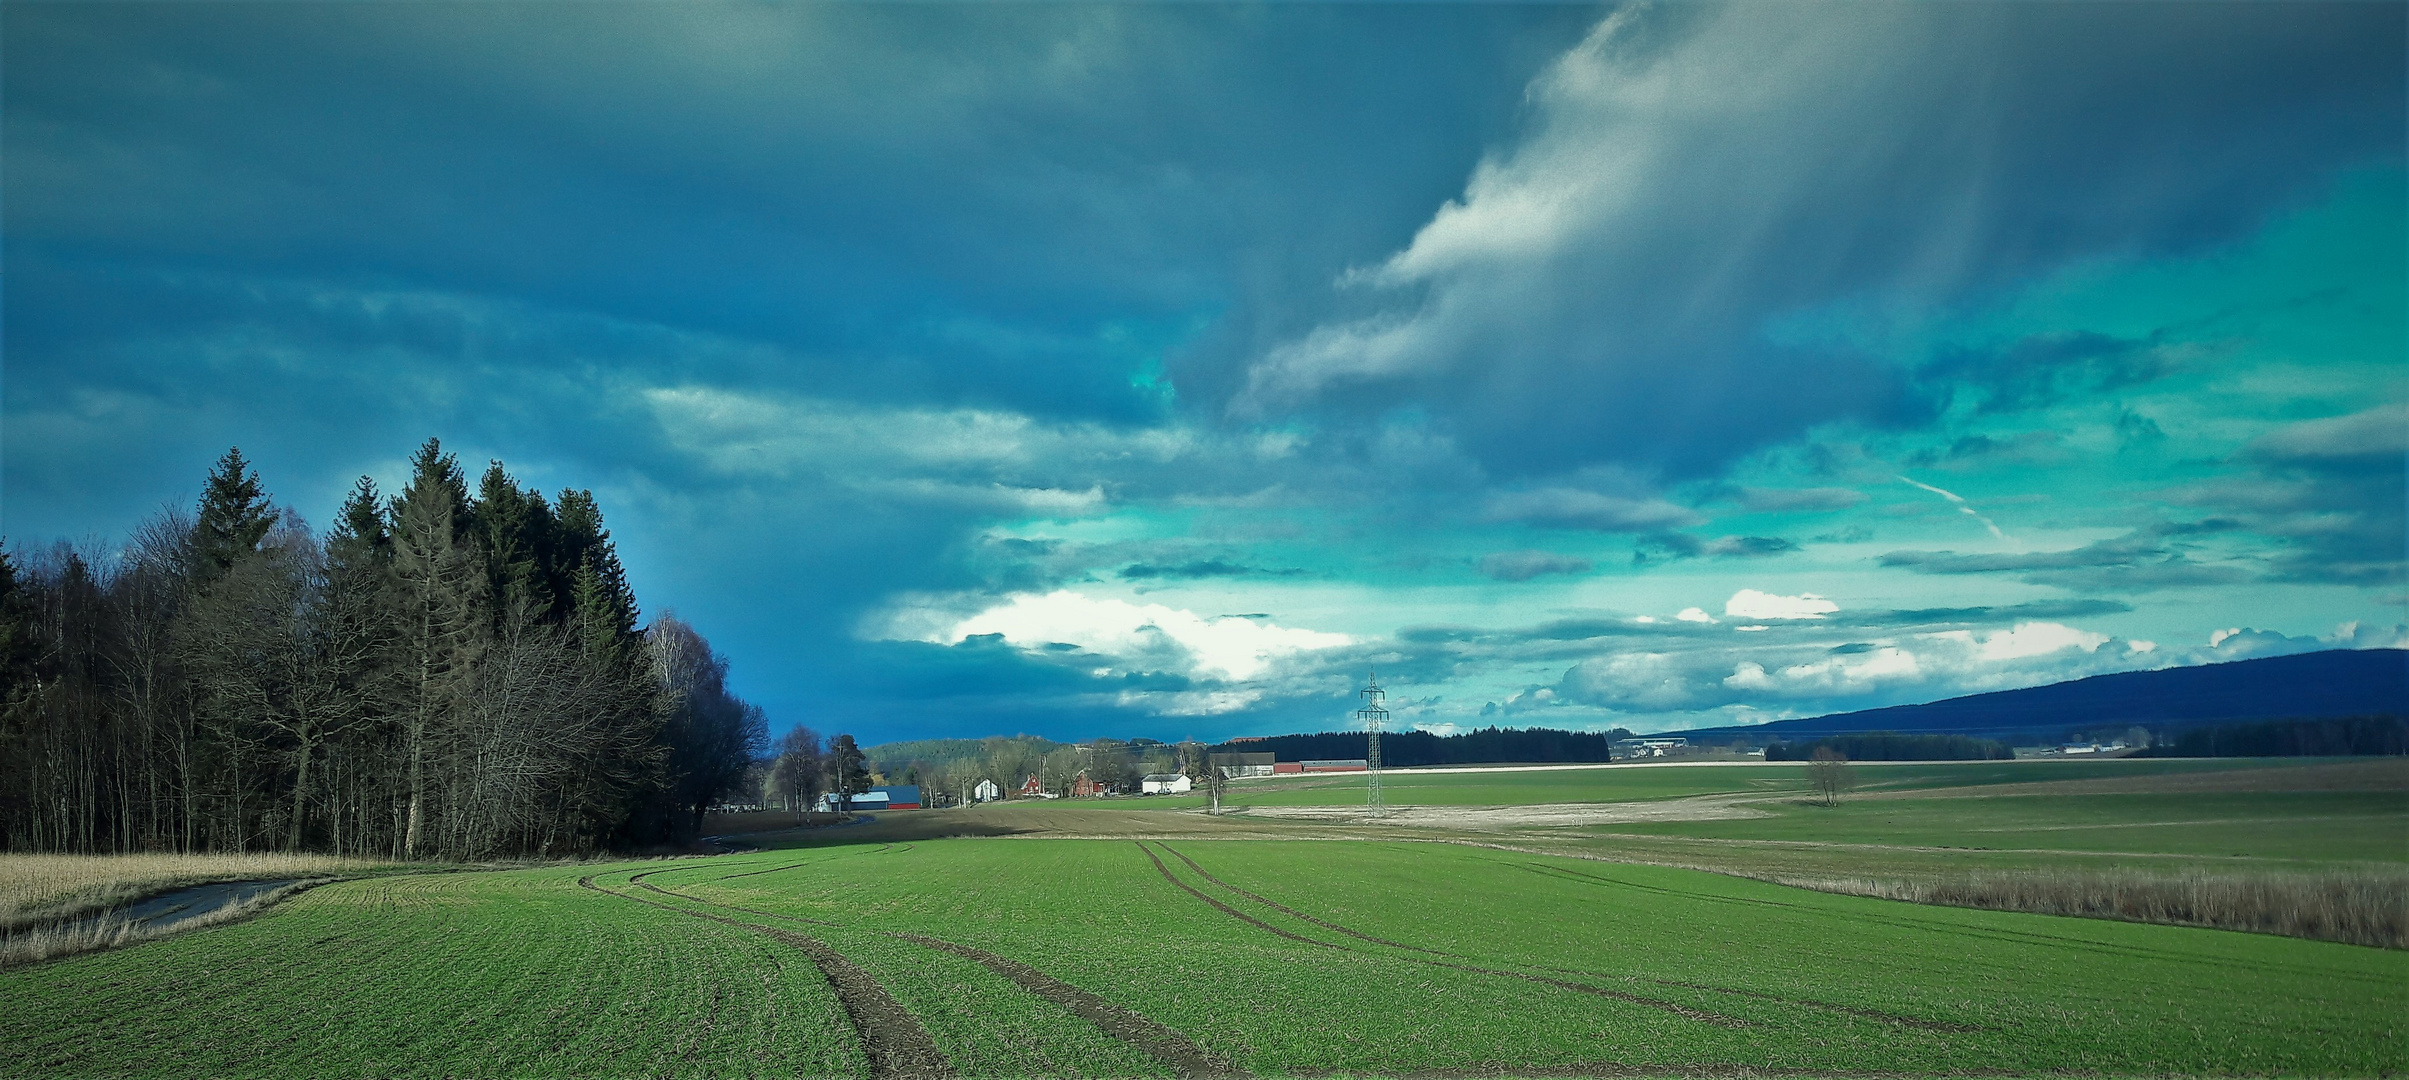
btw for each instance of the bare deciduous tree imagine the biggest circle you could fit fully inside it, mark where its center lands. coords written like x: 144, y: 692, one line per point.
x: 1828, y: 773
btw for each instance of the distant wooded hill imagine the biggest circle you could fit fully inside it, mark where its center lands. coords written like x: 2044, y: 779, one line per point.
x: 2305, y: 686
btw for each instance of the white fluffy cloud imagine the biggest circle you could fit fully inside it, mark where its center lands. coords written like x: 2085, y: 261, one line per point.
x: 1751, y: 604
x: 2039, y: 639
x: 1128, y: 636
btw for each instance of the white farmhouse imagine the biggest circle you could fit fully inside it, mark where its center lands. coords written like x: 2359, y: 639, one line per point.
x: 1165, y: 784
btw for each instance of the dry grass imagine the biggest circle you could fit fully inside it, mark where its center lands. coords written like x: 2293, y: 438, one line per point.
x: 58, y: 940
x: 2365, y: 907
x: 36, y: 890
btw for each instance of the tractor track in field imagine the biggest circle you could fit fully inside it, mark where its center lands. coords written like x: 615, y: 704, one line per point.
x: 1852, y: 1010
x: 1225, y: 908
x: 1292, y: 912
x: 1616, y: 1070
x: 771, y: 870
x: 1185, y: 1058
x: 1871, y: 1014
x: 1685, y: 1012
x: 897, y: 1046
x: 1910, y: 922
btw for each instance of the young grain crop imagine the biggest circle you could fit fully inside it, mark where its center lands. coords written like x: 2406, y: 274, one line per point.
x: 487, y: 974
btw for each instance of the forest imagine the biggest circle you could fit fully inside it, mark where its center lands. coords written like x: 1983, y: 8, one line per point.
x: 445, y: 674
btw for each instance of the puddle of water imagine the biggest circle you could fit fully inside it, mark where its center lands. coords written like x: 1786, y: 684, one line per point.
x: 182, y: 904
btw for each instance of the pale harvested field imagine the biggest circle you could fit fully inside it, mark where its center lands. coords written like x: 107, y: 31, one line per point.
x: 1540, y: 815
x: 41, y: 888
x: 2375, y: 774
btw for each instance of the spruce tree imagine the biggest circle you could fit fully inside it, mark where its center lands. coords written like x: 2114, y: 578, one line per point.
x: 234, y: 514
x: 515, y: 529
x: 440, y: 593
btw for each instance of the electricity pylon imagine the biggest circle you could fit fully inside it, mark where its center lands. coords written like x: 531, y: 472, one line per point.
x: 1373, y: 717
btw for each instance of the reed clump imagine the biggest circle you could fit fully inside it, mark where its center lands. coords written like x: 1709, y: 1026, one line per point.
x: 2358, y: 907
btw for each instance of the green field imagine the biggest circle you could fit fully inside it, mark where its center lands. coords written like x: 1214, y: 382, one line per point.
x: 1625, y: 783
x: 1450, y: 958
x: 1168, y: 943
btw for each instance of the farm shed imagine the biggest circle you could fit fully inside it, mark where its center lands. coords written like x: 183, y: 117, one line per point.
x: 899, y: 796
x: 873, y: 799
x: 1165, y: 784
x: 1285, y: 768
x: 1237, y: 765
x: 1335, y: 765
x: 1625, y: 749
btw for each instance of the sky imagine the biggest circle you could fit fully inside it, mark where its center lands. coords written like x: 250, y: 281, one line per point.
x: 1167, y: 369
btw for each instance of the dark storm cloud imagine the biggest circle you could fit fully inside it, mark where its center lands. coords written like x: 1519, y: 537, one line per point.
x: 1202, y: 568
x: 1659, y: 546
x: 2334, y: 491
x: 326, y: 232
x: 822, y: 299
x: 2143, y: 560
x: 1584, y: 301
x: 2045, y: 369
x: 1525, y: 565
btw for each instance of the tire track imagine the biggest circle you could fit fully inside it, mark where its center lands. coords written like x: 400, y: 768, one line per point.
x: 1911, y: 922
x: 1185, y: 1058
x: 1228, y: 910
x: 1163, y: 1043
x: 1685, y: 1012
x: 771, y: 870
x: 897, y: 1046
x: 1870, y: 1014
x: 1292, y: 912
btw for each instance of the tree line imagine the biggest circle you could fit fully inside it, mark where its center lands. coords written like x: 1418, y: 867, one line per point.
x: 2342, y: 737
x: 1894, y: 746
x: 445, y: 674
x: 1405, y: 749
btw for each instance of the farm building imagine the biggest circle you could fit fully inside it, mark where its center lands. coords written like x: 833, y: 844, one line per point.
x: 1237, y: 765
x: 1625, y: 749
x: 900, y: 796
x: 1283, y: 768
x: 1165, y: 784
x: 1033, y: 788
x: 1086, y: 787
x: 986, y: 791
x: 1334, y: 765
x: 867, y: 800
